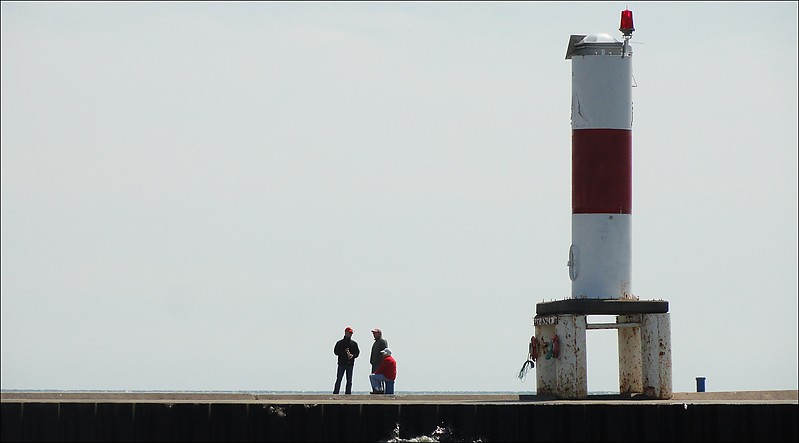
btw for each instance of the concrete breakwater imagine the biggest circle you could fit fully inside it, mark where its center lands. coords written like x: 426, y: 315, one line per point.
x: 751, y: 416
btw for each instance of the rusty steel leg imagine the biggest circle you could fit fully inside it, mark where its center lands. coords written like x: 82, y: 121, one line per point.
x: 656, y: 355
x: 563, y: 374
x: 630, y: 373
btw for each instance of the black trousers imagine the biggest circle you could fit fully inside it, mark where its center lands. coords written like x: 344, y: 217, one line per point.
x: 340, y: 371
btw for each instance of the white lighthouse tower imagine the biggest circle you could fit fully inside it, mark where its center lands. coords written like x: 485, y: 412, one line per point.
x: 600, y: 256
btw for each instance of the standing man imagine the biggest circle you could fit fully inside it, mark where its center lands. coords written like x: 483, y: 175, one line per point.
x: 379, y: 344
x: 347, y: 351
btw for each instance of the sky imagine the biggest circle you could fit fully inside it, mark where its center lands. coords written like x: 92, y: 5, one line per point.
x: 202, y: 196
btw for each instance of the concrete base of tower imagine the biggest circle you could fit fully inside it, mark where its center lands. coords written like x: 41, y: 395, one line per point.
x: 644, y: 337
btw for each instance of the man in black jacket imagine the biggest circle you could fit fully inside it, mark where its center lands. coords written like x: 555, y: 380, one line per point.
x: 347, y: 351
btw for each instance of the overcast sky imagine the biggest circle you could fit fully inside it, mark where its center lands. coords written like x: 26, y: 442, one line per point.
x: 202, y: 196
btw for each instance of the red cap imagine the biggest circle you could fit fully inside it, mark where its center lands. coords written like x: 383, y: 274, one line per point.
x: 348, y: 329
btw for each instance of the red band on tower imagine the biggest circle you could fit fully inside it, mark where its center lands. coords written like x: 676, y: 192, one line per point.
x: 602, y: 171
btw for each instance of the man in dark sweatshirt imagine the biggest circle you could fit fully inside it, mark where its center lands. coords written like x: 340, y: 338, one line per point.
x: 347, y: 351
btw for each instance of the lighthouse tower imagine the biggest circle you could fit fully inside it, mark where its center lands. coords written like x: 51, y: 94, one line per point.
x: 602, y: 118
x: 600, y: 258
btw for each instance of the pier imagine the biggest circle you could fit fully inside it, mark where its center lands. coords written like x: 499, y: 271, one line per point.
x: 173, y: 416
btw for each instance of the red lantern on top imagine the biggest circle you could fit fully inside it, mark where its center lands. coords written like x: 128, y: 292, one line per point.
x: 626, y: 27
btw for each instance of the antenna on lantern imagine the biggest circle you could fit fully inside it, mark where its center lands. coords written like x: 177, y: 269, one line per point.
x: 626, y: 28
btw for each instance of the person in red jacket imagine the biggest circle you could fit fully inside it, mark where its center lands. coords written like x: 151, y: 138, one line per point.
x: 383, y: 378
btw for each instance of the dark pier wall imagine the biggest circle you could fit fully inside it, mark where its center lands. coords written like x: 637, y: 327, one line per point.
x: 374, y: 422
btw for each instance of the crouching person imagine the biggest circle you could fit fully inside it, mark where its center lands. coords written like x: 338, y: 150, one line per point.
x: 382, y: 380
